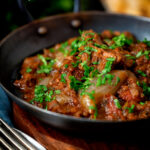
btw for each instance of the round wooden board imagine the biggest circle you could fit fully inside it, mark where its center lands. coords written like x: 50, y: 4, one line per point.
x: 52, y: 139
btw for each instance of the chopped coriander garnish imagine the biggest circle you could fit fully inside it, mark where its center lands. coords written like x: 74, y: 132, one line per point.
x: 120, y: 41
x: 139, y: 54
x: 63, y: 48
x: 86, y: 84
x: 48, y: 96
x: 146, y: 89
x: 42, y: 58
x: 95, y: 63
x: 75, y: 84
x: 46, y: 107
x: 90, y: 33
x: 107, y: 41
x: 102, y: 80
x: 46, y: 67
x: 76, y: 63
x: 77, y: 57
x: 66, y: 66
x: 57, y: 91
x: 87, y: 69
x: 39, y: 93
x: 94, y: 73
x: 28, y: 70
x: 146, y: 42
x: 88, y: 50
x: 108, y: 65
x: 138, y: 83
x: 63, y: 75
x: 75, y: 45
x: 130, y: 56
x: 64, y: 45
x: 52, y: 50
x: 130, y: 109
x: 110, y: 59
x: 117, y: 103
x: 141, y: 73
x: 142, y: 103
x: 80, y: 31
x: 99, y: 81
x: 95, y: 109
x: 117, y: 80
x: 109, y: 78
x: 91, y: 95
x: 103, y: 46
x: 145, y: 53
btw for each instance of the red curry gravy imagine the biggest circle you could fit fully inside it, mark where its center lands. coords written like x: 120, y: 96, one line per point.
x: 96, y: 75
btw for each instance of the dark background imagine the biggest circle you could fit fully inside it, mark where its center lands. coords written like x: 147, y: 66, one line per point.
x: 11, y: 16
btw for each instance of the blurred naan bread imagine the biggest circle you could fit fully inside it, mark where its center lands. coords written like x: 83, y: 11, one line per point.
x: 133, y: 7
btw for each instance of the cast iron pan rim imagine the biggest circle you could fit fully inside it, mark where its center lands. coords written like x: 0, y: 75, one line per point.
x: 62, y: 116
x: 141, y: 18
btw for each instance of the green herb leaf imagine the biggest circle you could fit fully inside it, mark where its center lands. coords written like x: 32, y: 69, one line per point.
x: 130, y: 56
x: 91, y: 95
x: 76, y: 63
x: 117, y: 103
x: 42, y: 58
x: 103, y: 46
x: 141, y: 73
x: 88, y: 50
x: 146, y: 42
x: 95, y: 63
x: 52, y: 50
x: 108, y: 66
x: 95, y: 109
x: 90, y: 33
x: 130, y: 109
x: 117, y: 80
x: 142, y: 103
x: 139, y: 54
x: 46, y: 67
x: 80, y: 31
x: 66, y: 66
x: 63, y: 75
x: 57, y: 91
x: 120, y: 41
x: 28, y: 70
x: 48, y: 96
x: 39, y: 93
x: 146, y: 89
x: 75, y: 84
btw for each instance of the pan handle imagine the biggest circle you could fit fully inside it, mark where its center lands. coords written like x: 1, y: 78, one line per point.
x: 76, y: 7
x: 28, y: 16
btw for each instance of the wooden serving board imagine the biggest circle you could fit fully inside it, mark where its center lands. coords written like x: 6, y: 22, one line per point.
x: 53, y: 139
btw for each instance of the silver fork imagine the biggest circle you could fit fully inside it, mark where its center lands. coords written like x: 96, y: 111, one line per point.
x: 10, y: 139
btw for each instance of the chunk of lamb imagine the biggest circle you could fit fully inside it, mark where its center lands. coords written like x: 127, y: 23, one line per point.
x: 130, y: 91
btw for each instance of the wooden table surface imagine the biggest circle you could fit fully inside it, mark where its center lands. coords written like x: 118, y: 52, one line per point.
x: 52, y: 139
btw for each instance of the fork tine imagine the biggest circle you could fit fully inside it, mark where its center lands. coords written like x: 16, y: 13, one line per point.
x: 5, y: 144
x: 22, y: 140
x: 11, y: 139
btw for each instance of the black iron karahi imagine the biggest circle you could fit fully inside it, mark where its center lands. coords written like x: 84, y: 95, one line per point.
x: 46, y: 32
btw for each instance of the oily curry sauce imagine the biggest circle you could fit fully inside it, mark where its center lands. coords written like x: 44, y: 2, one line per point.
x: 96, y: 75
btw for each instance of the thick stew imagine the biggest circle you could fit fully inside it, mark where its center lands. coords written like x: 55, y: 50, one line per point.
x: 96, y: 75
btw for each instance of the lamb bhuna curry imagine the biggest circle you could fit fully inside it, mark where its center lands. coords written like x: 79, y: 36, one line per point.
x: 104, y: 76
